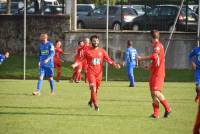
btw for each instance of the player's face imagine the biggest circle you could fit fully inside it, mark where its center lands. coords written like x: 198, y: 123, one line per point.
x: 95, y: 42
x: 7, y: 54
x: 59, y: 44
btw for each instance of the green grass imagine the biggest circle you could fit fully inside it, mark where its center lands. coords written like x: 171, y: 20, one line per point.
x: 13, y: 69
x: 122, y: 109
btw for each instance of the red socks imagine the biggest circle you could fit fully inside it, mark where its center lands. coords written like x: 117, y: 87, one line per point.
x: 166, y: 105
x: 94, y: 97
x: 155, y: 109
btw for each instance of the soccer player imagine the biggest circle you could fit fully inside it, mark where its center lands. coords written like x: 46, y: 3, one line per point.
x: 157, y: 75
x: 130, y: 60
x: 95, y: 58
x: 57, y: 59
x: 195, y: 62
x: 46, y: 64
x: 3, y: 57
x: 86, y: 47
x: 76, y: 77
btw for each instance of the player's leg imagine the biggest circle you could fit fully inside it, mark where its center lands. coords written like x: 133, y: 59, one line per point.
x: 79, y: 75
x: 130, y: 75
x: 93, y: 90
x: 58, y: 68
x: 49, y: 74
x: 39, y: 82
x: 155, y: 105
x: 164, y: 102
x: 197, y: 122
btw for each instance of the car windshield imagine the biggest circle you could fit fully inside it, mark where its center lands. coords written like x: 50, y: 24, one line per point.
x: 190, y: 12
x: 84, y: 8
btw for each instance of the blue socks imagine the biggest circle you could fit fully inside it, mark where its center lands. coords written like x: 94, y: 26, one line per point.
x: 52, y: 85
x: 39, y: 85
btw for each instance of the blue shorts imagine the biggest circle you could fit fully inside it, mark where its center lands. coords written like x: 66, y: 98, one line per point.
x: 197, y: 77
x: 46, y: 71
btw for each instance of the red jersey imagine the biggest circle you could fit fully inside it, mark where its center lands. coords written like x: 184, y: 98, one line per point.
x: 79, y: 53
x: 95, y: 58
x: 158, y: 60
x: 58, y: 53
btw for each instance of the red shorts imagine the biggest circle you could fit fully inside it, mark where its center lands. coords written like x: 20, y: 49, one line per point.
x: 156, y: 83
x: 94, y: 80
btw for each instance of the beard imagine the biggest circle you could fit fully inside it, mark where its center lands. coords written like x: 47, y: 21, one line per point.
x: 94, y: 45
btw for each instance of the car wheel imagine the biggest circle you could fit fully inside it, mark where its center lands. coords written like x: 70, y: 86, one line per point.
x: 135, y: 27
x: 116, y: 27
x: 80, y: 25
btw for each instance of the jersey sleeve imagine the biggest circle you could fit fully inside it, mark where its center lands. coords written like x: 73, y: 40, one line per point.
x: 191, y: 55
x: 51, y: 51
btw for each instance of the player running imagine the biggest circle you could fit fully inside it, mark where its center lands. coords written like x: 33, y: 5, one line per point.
x: 77, y: 76
x: 95, y: 58
x: 46, y: 64
x: 57, y: 59
x: 194, y: 58
x: 157, y: 75
x: 130, y: 60
x: 3, y: 57
x: 86, y: 47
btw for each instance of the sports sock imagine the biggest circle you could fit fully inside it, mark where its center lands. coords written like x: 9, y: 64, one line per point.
x: 197, y: 123
x: 52, y: 85
x: 155, y: 109
x: 94, y: 97
x: 166, y: 105
x: 39, y: 85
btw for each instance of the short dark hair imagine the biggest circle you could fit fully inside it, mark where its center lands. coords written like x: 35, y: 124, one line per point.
x: 129, y: 43
x: 56, y: 42
x: 94, y: 36
x: 155, y: 34
x: 79, y: 42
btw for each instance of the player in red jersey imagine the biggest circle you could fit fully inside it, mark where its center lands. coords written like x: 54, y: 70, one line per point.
x: 95, y: 58
x: 57, y: 59
x: 76, y: 77
x: 197, y: 121
x: 86, y: 47
x: 157, y: 75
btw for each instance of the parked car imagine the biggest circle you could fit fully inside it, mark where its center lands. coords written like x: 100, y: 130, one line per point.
x: 84, y: 9
x: 119, y: 18
x: 15, y: 6
x: 141, y: 9
x: 162, y: 17
x: 53, y: 10
x: 3, y: 7
x: 47, y: 10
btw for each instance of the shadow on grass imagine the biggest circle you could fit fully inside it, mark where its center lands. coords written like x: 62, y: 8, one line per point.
x: 20, y: 94
x: 148, y: 101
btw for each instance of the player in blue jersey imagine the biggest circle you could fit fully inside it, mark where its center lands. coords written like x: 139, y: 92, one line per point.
x: 46, y: 64
x: 194, y: 58
x: 3, y: 57
x: 130, y: 60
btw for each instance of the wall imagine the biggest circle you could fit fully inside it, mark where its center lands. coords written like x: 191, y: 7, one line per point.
x: 11, y: 38
x: 12, y: 29
x: 176, y: 56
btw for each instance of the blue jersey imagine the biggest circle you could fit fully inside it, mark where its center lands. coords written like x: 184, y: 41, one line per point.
x: 195, y: 56
x: 130, y: 56
x: 46, y: 51
x: 2, y: 58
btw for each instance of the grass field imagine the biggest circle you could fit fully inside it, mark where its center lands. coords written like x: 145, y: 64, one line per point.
x: 13, y: 69
x: 123, y: 110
